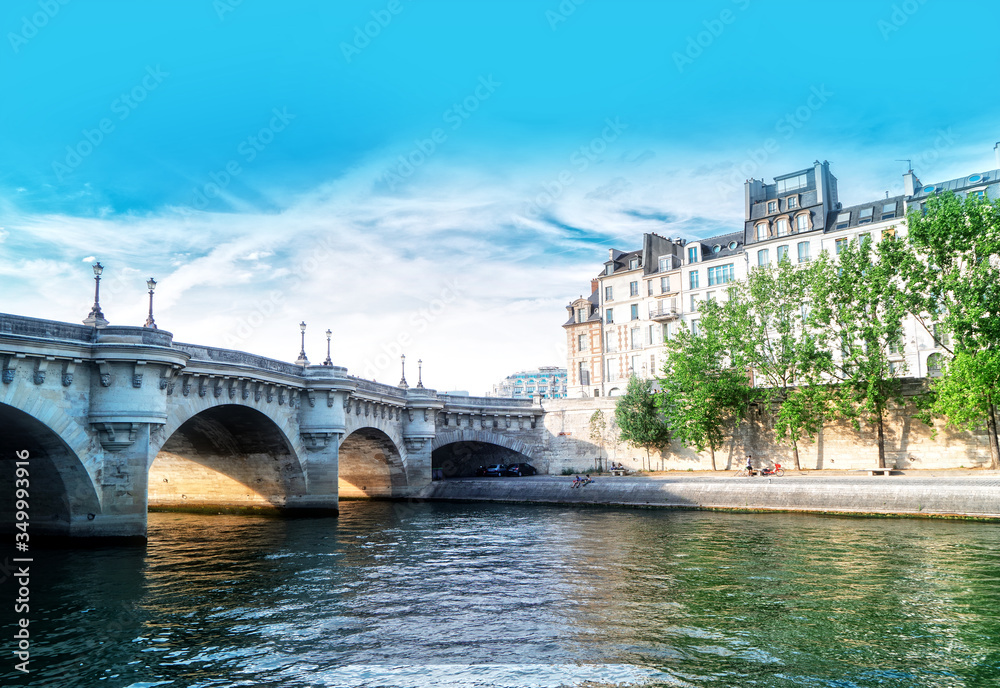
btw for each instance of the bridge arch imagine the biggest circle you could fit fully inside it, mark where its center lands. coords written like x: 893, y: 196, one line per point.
x: 61, y: 490
x: 370, y: 465
x: 229, y: 455
x: 460, y: 452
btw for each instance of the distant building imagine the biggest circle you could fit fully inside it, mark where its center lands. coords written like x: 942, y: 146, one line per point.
x: 547, y: 381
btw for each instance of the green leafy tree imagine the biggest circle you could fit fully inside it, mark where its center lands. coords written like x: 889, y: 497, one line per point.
x: 598, y: 428
x: 638, y: 417
x: 859, y: 302
x: 951, y: 268
x: 703, y: 393
x: 766, y: 328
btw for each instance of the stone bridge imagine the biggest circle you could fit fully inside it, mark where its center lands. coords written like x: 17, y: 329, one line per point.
x: 119, y: 420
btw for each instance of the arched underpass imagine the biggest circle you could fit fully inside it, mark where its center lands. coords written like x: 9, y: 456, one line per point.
x: 370, y: 466
x: 230, y: 457
x: 59, y: 489
x: 461, y: 459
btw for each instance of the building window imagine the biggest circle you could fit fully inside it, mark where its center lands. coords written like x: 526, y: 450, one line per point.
x: 840, y: 245
x: 782, y: 225
x: 896, y: 347
x: 652, y: 335
x: 762, y: 231
x: 664, y: 263
x: 649, y: 288
x: 979, y: 193
x: 783, y: 252
x: 710, y: 296
x: 635, y: 338
x: 865, y: 216
x: 609, y: 294
x: 609, y: 315
x: 609, y: 269
x: 864, y: 239
x: 803, y: 251
x: 889, y: 233
x: 772, y: 207
x: 843, y: 220
x: 722, y: 274
x: 792, y: 202
x: 694, y: 327
x: 664, y: 285
x: 802, y: 222
x: 635, y: 311
x: 934, y: 365
x: 633, y: 264
x: 633, y: 368
x: 941, y: 337
x: 633, y: 288
x: 792, y: 183
x: 694, y: 303
x: 888, y: 211
x: 581, y: 342
x: 762, y: 258
x: 610, y: 342
x: 692, y: 254
x: 693, y: 279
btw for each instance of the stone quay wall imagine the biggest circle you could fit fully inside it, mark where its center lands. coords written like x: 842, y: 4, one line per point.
x: 909, y: 443
x: 976, y: 496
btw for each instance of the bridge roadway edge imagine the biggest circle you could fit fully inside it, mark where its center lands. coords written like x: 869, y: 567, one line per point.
x: 974, y: 498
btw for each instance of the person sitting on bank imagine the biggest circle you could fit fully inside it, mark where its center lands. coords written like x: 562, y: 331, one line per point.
x: 577, y: 480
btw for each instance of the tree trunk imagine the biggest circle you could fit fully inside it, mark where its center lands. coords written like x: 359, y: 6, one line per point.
x: 795, y: 454
x: 881, y: 442
x: 711, y: 449
x: 991, y: 428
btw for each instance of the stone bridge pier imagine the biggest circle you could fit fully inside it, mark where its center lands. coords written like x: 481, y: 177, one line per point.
x: 120, y: 420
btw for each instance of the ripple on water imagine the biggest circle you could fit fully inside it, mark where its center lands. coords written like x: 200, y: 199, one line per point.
x: 493, y: 595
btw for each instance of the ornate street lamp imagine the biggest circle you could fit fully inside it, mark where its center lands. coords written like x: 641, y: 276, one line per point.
x: 420, y: 374
x: 302, y: 360
x: 96, y: 317
x: 151, y: 285
x: 402, y: 380
x: 328, y: 361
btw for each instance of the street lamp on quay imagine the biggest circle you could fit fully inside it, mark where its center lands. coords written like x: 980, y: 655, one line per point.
x: 402, y: 380
x: 302, y: 360
x: 328, y: 361
x: 151, y: 285
x: 96, y: 317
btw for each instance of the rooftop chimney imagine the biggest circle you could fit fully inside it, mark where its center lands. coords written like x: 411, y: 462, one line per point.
x: 611, y: 254
x: 910, y: 183
x: 594, y: 285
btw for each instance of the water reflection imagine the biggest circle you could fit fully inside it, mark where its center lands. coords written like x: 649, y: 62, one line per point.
x: 428, y: 595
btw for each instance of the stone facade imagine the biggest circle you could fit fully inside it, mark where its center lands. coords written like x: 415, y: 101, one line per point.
x: 909, y: 443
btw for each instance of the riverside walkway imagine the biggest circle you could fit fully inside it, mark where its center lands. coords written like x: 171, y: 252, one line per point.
x: 944, y: 493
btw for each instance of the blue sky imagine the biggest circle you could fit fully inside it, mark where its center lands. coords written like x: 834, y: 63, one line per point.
x: 439, y: 177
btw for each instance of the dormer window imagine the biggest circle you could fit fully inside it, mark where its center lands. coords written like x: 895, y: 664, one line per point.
x: 633, y: 264
x: 792, y: 202
x: 888, y: 211
x: 782, y: 226
x: 843, y: 220
x: 609, y: 269
x: 865, y: 216
x: 664, y: 263
x: 692, y: 254
x: 772, y: 207
x: 802, y: 222
x: 762, y: 231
